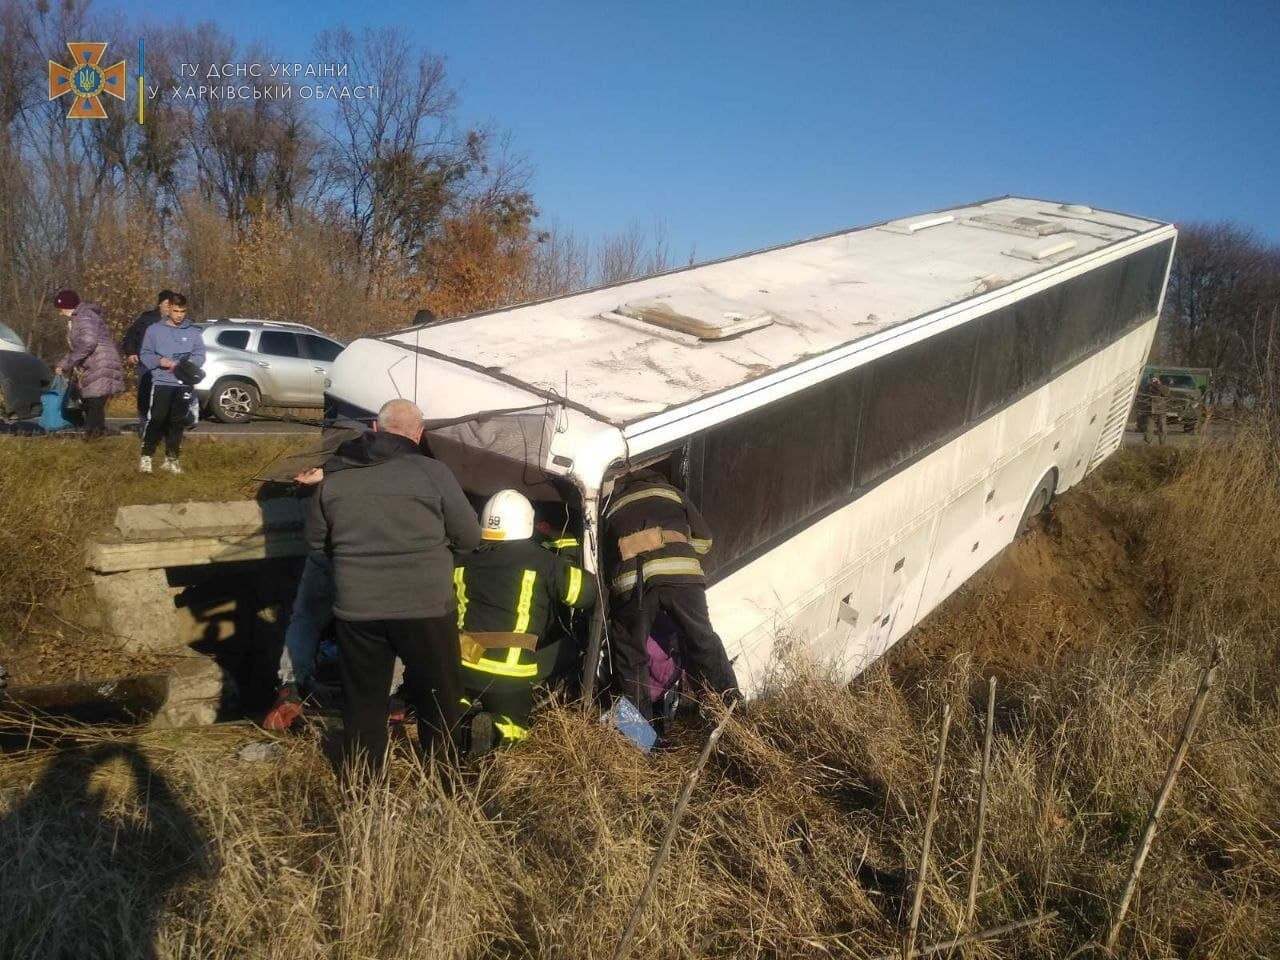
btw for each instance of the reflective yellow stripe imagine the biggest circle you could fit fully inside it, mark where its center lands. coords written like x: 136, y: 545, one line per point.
x: 511, y: 667
x: 510, y: 729
x: 525, y: 603
x: 665, y: 566
x: 671, y: 566
x: 663, y: 492
x: 575, y: 586
x: 702, y: 546
x: 460, y: 588
x: 562, y: 543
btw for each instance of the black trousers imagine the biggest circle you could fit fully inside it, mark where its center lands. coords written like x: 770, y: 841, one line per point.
x: 95, y: 416
x: 144, y: 394
x: 166, y: 418
x: 702, y: 653
x: 367, y: 650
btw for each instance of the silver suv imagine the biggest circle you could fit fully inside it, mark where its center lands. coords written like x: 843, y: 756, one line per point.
x: 253, y: 363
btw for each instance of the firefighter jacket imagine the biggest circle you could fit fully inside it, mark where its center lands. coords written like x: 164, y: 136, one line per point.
x: 654, y: 535
x: 567, y: 546
x: 505, y: 594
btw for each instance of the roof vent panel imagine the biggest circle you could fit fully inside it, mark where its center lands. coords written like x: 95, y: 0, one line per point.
x: 694, y: 315
x: 912, y: 227
x: 1007, y: 223
x: 1038, y: 252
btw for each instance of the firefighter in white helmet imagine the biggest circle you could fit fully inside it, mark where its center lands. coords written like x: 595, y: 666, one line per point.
x: 506, y: 591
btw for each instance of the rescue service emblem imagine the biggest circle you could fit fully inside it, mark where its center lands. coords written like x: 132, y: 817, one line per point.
x: 86, y: 80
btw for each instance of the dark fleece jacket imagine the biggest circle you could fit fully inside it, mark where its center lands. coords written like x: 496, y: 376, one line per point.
x: 389, y: 516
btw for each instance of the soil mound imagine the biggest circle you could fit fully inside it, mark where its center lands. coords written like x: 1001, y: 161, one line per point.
x: 1075, y: 577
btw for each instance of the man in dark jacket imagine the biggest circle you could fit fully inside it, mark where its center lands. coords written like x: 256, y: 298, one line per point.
x: 507, y: 591
x: 164, y: 347
x: 388, y: 517
x: 131, y: 347
x: 655, y: 540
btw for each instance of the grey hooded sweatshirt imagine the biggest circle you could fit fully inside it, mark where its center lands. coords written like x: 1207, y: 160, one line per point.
x: 390, y: 517
x: 163, y: 339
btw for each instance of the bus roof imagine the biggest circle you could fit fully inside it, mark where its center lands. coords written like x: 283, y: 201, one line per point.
x: 632, y: 350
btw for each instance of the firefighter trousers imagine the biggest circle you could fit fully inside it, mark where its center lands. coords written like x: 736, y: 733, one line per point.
x: 701, y: 651
x: 508, y: 700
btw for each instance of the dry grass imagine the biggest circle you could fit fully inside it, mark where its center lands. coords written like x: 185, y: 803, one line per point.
x: 801, y: 838
x: 54, y: 494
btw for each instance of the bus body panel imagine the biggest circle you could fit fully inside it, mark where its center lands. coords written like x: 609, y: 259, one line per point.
x: 846, y: 588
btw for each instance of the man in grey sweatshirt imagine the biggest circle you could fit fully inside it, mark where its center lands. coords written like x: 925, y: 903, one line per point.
x: 389, y: 517
x: 164, y: 346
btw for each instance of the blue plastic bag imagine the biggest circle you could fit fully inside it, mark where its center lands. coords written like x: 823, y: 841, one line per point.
x: 631, y: 724
x: 52, y: 401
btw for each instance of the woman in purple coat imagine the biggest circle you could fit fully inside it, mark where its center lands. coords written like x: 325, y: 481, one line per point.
x: 94, y: 355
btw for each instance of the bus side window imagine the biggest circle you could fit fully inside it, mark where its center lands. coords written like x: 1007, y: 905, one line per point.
x: 918, y: 396
x: 768, y: 471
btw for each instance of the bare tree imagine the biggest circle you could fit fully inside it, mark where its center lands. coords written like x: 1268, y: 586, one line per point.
x: 635, y: 251
x: 1220, y: 279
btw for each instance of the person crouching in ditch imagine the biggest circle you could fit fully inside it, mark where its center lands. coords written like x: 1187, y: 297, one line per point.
x: 165, y: 346
x: 93, y: 357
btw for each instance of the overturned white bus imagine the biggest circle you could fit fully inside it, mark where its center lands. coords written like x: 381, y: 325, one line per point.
x: 865, y: 418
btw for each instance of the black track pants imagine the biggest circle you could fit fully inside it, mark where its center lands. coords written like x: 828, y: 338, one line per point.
x: 702, y: 652
x: 166, y: 418
x: 432, y: 678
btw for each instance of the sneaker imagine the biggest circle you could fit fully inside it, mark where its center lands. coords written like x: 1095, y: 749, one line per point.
x: 144, y: 464
x: 285, y: 712
x: 173, y: 466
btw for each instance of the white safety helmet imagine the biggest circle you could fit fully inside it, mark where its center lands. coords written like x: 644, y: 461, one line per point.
x: 507, y: 516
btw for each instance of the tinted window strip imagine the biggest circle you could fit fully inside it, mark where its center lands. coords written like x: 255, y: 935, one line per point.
x: 772, y: 543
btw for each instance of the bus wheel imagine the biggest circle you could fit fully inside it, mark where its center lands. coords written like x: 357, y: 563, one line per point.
x: 1039, y: 501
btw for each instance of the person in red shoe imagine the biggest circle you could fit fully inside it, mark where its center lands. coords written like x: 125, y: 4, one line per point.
x: 389, y: 518
x: 311, y: 616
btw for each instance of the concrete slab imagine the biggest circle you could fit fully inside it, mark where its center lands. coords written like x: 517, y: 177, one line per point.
x: 180, y: 521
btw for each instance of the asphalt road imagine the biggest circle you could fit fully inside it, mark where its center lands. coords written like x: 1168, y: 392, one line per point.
x: 1174, y: 436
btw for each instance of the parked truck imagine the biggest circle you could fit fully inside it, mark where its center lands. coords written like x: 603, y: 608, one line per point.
x: 1188, y: 390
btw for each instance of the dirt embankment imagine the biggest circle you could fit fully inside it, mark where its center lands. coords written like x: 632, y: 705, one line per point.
x: 1078, y: 576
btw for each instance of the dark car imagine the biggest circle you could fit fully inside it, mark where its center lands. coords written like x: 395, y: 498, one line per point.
x: 23, y: 377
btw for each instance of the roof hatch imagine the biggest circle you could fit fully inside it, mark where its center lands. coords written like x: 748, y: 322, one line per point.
x: 691, y: 316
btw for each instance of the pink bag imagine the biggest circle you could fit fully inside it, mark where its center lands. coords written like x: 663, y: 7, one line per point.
x: 664, y: 671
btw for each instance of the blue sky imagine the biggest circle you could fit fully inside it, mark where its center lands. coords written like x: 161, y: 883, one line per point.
x: 744, y: 124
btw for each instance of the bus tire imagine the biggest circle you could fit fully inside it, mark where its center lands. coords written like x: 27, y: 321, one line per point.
x: 1040, y: 499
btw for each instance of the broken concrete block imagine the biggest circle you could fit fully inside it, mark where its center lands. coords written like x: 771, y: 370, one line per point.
x: 260, y: 752
x: 199, y: 690
x: 137, y: 606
